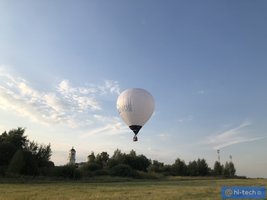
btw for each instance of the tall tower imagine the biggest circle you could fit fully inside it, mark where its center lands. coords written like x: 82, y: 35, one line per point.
x: 218, y: 152
x: 72, y: 156
x: 231, y: 158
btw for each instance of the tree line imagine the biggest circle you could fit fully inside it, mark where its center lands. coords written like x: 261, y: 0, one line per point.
x: 20, y: 156
x: 133, y: 162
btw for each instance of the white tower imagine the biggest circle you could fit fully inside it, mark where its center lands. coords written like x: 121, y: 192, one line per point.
x: 72, y: 156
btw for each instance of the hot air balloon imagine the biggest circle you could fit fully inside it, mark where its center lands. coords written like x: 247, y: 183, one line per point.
x: 135, y: 107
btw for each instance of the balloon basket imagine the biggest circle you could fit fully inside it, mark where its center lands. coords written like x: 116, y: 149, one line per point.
x: 135, y: 139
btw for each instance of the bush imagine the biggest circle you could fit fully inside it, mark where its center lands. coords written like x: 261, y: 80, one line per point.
x: 91, y: 167
x: 77, y: 174
x: 148, y: 175
x: 67, y: 171
x: 101, y: 172
x: 3, y: 170
x: 123, y: 170
x: 87, y: 173
x: 46, y: 171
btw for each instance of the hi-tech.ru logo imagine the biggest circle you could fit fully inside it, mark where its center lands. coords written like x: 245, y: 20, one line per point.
x: 228, y: 192
x: 236, y: 192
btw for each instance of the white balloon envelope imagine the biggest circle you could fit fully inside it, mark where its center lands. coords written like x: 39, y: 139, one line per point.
x: 135, y: 107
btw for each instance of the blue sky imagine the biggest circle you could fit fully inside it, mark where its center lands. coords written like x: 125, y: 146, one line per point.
x: 64, y: 63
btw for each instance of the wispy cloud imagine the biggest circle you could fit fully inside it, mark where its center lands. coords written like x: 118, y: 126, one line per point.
x: 67, y: 104
x: 111, y: 126
x: 164, y: 136
x: 230, y: 137
x: 109, y: 129
x: 188, y: 118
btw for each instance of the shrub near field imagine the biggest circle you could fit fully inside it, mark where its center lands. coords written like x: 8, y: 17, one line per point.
x: 171, y: 188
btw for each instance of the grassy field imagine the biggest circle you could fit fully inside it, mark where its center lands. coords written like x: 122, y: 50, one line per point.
x: 170, y: 188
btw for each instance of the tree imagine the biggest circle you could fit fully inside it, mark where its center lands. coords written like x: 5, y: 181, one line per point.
x: 15, y: 137
x: 226, y: 171
x: 9, y: 144
x: 142, y: 163
x: 17, y: 163
x: 218, y: 169
x: 40, y: 153
x: 116, y: 159
x: 43, y: 155
x: 31, y: 164
x: 132, y: 153
x: 91, y: 157
x: 7, y: 151
x: 139, y: 162
x: 192, y: 168
x: 167, y: 170
x: 19, y: 155
x: 156, y: 166
x: 102, y: 159
x: 202, y: 167
x: 232, y: 169
x: 179, y: 168
x: 36, y: 157
x: 117, y: 155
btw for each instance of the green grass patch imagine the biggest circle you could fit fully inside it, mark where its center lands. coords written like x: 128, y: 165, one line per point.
x: 112, y: 188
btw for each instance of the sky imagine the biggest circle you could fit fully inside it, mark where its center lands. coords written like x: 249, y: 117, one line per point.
x: 64, y: 63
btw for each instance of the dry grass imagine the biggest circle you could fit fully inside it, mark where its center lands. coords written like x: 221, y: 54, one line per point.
x: 172, y: 188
